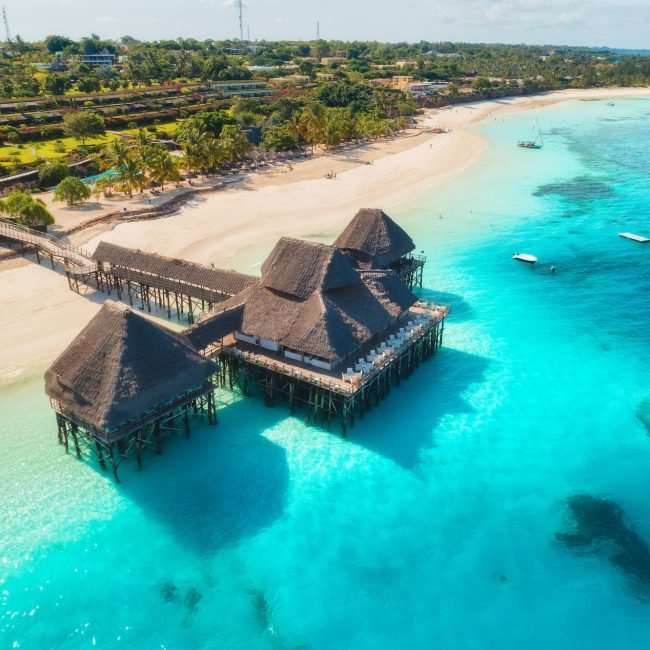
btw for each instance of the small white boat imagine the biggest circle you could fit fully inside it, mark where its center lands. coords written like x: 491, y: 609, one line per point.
x: 633, y: 237
x: 525, y: 257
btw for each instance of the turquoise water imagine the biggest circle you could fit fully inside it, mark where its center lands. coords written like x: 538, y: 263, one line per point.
x: 433, y: 525
x: 109, y: 173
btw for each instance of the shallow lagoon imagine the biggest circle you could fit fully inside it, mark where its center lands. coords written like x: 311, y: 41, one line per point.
x: 434, y: 524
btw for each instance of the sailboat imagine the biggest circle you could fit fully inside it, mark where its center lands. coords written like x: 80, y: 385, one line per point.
x: 537, y: 143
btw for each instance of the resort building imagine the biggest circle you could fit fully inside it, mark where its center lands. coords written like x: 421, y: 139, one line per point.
x: 242, y: 88
x: 103, y: 58
x: 375, y: 241
x: 124, y: 383
x: 401, y: 82
x: 290, y: 81
x: 328, y: 327
x: 311, y: 305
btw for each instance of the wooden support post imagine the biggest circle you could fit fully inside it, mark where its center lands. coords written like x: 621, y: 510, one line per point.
x: 157, y: 437
x: 100, y: 455
x: 65, y: 435
x: 60, y: 425
x: 73, y: 430
x: 330, y: 407
x: 138, y: 447
x: 292, y: 390
x: 113, y: 463
x: 309, y: 400
x: 186, y: 423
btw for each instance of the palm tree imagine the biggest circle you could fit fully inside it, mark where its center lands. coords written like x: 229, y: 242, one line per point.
x: 131, y: 174
x: 311, y: 124
x: 114, y: 156
x: 163, y: 168
x: 194, y: 142
x: 144, y: 148
x: 233, y: 142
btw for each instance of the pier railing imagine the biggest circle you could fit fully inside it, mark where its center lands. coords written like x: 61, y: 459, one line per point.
x: 74, y: 258
x: 437, y: 314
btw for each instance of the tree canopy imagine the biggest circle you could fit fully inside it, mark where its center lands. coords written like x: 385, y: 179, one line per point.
x: 25, y: 209
x: 72, y: 190
x: 84, y: 125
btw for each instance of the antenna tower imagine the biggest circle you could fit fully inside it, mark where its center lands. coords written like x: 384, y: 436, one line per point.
x: 318, y: 30
x: 5, y: 20
x: 241, y: 22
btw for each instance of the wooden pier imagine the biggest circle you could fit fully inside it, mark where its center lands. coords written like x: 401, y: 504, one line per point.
x: 45, y: 246
x: 124, y: 384
x: 329, y: 395
x: 178, y: 287
x: 132, y: 441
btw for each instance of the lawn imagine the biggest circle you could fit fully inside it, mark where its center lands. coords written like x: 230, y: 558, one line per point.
x: 31, y: 152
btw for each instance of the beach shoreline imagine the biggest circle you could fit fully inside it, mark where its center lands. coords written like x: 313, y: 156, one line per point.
x: 235, y: 227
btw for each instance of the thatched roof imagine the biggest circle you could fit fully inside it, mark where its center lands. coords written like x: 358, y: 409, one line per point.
x: 225, y: 282
x: 374, y: 239
x: 220, y: 324
x: 120, y: 366
x: 299, y: 268
x: 311, y: 299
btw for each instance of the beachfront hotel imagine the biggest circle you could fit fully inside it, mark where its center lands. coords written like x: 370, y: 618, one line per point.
x: 330, y: 327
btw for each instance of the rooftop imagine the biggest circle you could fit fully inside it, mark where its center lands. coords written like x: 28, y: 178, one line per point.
x: 374, y: 239
x: 121, y: 366
x: 312, y: 300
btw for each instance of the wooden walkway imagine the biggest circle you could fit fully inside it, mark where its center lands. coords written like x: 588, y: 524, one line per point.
x: 75, y: 260
x: 171, y: 284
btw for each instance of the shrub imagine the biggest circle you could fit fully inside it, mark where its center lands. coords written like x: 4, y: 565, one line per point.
x: 27, y: 210
x: 51, y: 174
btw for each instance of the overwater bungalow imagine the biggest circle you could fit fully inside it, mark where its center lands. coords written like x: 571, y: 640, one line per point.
x: 124, y: 383
x: 321, y: 331
x: 375, y: 241
x: 331, y: 327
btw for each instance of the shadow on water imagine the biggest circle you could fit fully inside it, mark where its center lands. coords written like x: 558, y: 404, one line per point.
x: 403, y: 424
x: 461, y: 310
x: 223, y: 484
x: 600, y: 529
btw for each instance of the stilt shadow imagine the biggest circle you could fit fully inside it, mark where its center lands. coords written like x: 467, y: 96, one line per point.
x: 225, y: 483
x: 403, y: 424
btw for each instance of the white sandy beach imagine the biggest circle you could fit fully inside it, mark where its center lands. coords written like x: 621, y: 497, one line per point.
x: 235, y: 228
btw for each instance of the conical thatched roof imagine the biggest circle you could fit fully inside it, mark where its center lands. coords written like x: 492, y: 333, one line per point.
x: 298, y: 268
x: 310, y: 299
x: 122, y: 365
x: 374, y: 239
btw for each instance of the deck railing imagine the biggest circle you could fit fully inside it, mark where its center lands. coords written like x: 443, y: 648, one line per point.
x: 75, y: 259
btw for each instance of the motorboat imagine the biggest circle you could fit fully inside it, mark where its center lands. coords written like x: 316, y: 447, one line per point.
x: 525, y: 257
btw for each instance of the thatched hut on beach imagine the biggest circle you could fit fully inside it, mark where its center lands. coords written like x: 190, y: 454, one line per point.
x: 123, y: 378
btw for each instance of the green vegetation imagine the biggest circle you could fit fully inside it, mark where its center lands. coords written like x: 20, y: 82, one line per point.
x: 136, y: 163
x: 329, y: 92
x: 84, y: 125
x: 279, y: 138
x: 72, y: 190
x: 51, y: 174
x: 26, y: 210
